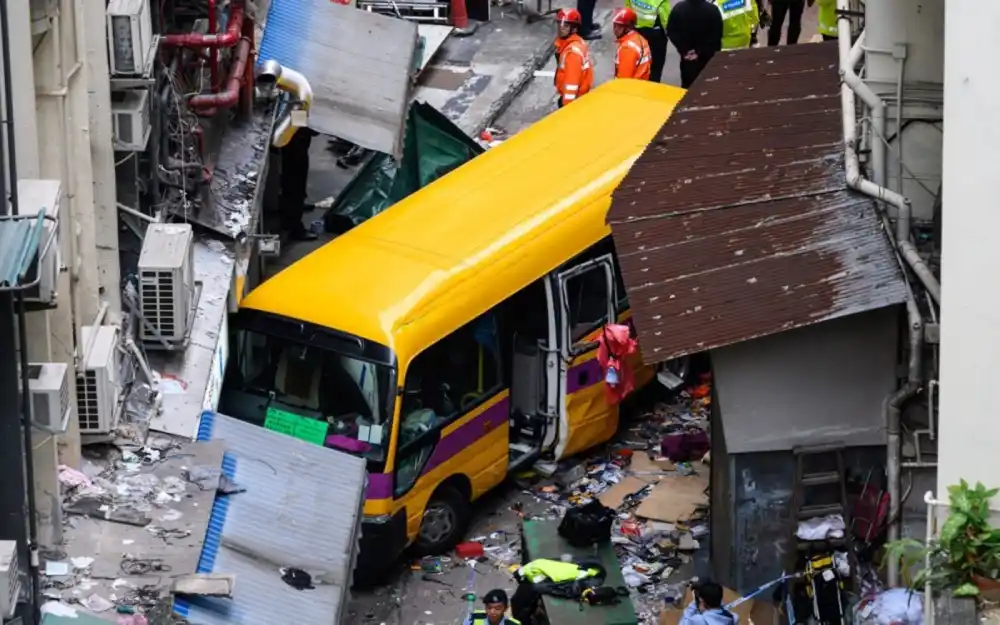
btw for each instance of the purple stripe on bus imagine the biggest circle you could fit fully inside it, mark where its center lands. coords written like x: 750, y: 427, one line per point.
x: 379, y: 486
x: 468, y: 433
x: 583, y: 375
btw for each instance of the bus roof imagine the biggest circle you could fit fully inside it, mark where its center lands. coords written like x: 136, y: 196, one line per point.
x: 451, y: 251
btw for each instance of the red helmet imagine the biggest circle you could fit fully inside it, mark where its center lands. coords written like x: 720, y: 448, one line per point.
x: 624, y: 16
x: 568, y: 16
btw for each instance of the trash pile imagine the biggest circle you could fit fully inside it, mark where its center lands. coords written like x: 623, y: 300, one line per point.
x: 656, y: 478
x: 134, y: 525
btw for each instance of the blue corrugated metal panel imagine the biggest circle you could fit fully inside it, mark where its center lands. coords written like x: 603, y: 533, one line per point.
x: 283, y: 40
x: 358, y: 63
x: 290, y: 516
x: 19, y: 240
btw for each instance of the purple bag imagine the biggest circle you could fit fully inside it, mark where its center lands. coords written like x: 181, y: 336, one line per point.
x: 685, y: 446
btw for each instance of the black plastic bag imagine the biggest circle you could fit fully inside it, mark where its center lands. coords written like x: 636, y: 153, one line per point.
x: 587, y: 525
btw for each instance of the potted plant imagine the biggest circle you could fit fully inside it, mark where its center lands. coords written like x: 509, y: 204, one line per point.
x: 965, y: 557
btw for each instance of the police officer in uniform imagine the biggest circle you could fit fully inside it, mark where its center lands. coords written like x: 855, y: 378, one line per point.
x: 651, y: 22
x: 494, y: 612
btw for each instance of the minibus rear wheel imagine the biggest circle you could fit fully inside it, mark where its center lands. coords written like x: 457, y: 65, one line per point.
x: 444, y: 522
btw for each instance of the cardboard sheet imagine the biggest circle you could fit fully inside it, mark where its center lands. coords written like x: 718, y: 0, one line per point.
x: 675, y: 498
x: 750, y: 612
x: 648, y: 469
x: 614, y: 496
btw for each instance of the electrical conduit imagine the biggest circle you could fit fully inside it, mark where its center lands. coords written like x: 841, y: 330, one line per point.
x: 849, y: 59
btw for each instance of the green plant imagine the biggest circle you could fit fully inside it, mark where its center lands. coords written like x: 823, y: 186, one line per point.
x: 966, y: 551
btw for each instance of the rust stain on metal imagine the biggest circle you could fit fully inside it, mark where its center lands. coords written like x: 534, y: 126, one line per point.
x: 736, y: 222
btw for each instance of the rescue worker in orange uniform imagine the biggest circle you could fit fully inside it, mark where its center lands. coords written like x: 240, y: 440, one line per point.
x: 575, y: 70
x: 632, y: 56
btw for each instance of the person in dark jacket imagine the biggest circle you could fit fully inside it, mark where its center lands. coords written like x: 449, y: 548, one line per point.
x: 695, y: 29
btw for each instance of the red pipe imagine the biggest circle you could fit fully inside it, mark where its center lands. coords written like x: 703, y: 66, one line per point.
x: 227, y: 39
x: 213, y: 55
x: 231, y: 95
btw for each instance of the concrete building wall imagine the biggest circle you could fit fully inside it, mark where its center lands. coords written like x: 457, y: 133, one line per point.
x: 970, y: 313
x: 56, y: 136
x: 819, y: 384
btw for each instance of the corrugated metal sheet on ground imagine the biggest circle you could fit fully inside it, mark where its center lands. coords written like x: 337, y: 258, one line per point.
x: 294, y: 513
x: 359, y: 65
x: 19, y: 241
x: 736, y: 222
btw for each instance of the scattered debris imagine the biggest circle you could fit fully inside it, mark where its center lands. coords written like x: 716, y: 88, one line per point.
x: 296, y: 578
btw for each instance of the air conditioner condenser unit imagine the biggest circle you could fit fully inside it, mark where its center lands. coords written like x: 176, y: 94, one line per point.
x: 130, y: 37
x: 166, y: 285
x: 10, y: 579
x: 34, y: 198
x: 130, y: 119
x: 98, y: 384
x: 49, y: 386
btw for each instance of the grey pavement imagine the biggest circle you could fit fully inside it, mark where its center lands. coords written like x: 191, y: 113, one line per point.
x: 538, y: 99
x: 414, y: 598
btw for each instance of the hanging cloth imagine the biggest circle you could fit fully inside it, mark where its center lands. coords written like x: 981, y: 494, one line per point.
x: 615, y: 343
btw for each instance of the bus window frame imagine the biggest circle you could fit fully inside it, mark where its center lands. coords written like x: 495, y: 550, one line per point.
x: 434, y: 434
x: 604, y: 262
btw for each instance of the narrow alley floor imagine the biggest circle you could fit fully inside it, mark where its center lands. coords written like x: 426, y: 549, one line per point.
x: 661, y: 535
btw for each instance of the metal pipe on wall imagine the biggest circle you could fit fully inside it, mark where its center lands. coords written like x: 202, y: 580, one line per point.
x: 893, y: 405
x: 856, y: 180
x: 230, y: 96
x: 272, y: 74
x: 213, y: 53
x: 228, y: 39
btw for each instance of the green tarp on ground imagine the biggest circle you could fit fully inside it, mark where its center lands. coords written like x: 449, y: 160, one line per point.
x: 433, y: 146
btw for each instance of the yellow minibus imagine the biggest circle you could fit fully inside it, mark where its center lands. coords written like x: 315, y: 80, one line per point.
x: 450, y: 339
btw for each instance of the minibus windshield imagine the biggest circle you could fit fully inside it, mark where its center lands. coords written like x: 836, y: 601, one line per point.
x: 310, y: 391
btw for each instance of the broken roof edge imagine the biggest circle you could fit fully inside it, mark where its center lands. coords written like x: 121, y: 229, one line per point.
x: 787, y: 327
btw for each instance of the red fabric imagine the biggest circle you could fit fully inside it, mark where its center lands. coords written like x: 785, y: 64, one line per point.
x: 615, y: 345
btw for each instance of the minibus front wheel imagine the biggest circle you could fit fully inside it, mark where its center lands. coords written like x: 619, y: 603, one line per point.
x: 444, y: 521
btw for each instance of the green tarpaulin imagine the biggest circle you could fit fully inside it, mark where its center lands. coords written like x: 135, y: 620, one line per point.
x: 433, y: 146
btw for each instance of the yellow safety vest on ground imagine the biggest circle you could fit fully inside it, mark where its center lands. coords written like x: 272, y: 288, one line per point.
x: 553, y: 571
x: 828, y: 17
x: 739, y: 18
x: 646, y: 12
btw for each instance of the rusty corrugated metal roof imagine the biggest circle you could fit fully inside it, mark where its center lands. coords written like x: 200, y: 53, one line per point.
x: 736, y: 222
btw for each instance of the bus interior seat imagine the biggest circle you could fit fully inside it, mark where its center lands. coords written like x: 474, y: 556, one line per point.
x: 299, y: 379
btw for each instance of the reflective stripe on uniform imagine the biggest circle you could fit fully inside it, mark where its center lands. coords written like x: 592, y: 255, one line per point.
x: 572, y: 87
x: 571, y: 96
x: 732, y: 8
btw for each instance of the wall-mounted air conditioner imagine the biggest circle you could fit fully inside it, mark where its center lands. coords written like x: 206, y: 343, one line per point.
x: 98, y: 383
x: 35, y: 196
x: 166, y: 285
x: 48, y: 383
x: 130, y: 118
x: 130, y: 37
x: 10, y: 579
